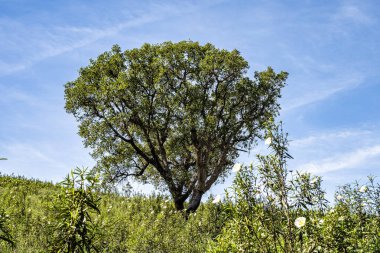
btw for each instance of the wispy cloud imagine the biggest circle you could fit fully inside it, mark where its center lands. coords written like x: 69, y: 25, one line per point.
x: 328, y: 137
x: 9, y: 95
x: 352, y: 13
x: 314, y: 91
x: 356, y: 158
x: 42, y: 42
x: 59, y: 40
x: 338, y: 150
x: 42, y: 159
x: 28, y: 152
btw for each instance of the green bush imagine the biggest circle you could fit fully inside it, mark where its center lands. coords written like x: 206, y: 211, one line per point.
x: 73, y: 209
x: 271, y: 209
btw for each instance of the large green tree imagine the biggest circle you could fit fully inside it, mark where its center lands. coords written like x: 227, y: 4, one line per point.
x: 172, y: 114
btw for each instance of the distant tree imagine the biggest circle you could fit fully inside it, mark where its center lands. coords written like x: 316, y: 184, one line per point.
x: 172, y: 114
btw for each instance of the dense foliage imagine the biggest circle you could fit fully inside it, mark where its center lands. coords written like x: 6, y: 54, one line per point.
x: 244, y: 222
x: 173, y: 114
x: 39, y: 218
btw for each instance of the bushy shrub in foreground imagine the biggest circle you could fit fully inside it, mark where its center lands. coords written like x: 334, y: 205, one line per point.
x: 270, y: 209
x: 73, y: 211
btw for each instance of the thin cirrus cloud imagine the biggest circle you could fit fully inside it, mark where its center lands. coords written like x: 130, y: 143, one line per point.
x: 349, y: 160
x: 22, y: 157
x: 31, y: 158
x: 9, y: 95
x: 352, y: 13
x: 61, y: 40
x: 28, y: 151
x: 45, y: 42
x: 316, y: 92
x: 329, y: 137
x: 338, y: 150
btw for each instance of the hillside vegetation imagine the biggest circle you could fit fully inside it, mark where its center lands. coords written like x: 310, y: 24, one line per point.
x: 125, y: 224
x: 267, y: 209
x: 150, y: 223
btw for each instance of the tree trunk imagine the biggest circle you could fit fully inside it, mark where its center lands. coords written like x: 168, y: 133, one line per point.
x: 178, y: 203
x: 195, y: 201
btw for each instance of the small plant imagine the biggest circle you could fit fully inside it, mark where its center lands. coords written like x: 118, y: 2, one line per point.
x: 73, y: 211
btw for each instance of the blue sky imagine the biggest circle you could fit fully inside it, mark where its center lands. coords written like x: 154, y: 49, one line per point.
x: 331, y: 50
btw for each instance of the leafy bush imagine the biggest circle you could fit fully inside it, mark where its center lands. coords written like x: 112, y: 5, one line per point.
x: 271, y: 209
x: 353, y: 225
x: 73, y: 213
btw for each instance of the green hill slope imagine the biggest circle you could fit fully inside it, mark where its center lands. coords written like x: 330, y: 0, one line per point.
x: 125, y: 224
x: 258, y: 214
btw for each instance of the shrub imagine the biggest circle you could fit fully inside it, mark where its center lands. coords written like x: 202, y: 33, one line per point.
x: 73, y: 213
x: 270, y: 209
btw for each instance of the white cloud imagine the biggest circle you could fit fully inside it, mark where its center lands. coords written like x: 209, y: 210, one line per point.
x: 328, y: 137
x: 352, y: 13
x: 36, y: 43
x: 305, y: 63
x: 341, y: 152
x: 349, y: 160
x: 43, y: 160
x: 317, y: 91
x: 27, y: 152
x: 59, y: 40
x: 12, y: 95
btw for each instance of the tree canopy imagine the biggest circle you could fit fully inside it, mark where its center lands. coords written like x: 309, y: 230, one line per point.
x: 172, y: 114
